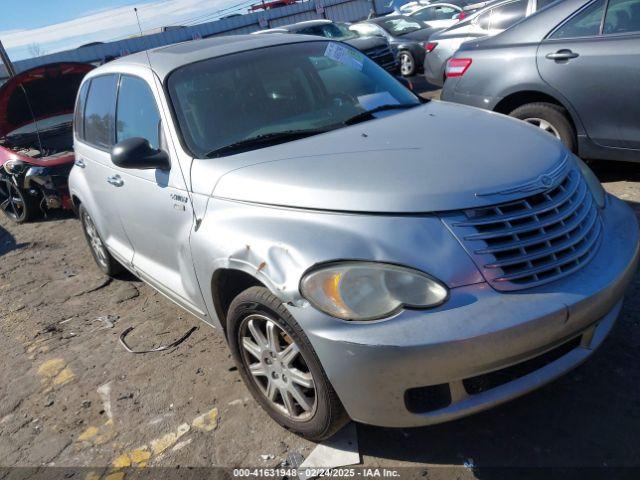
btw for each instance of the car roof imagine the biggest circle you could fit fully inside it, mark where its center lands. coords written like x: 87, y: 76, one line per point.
x: 166, y: 59
x: 380, y: 20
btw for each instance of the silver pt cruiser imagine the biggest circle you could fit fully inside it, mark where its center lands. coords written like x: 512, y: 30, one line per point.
x: 361, y: 262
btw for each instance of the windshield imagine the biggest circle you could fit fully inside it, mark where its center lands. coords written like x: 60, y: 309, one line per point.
x: 303, y: 87
x: 401, y: 25
x: 338, y: 31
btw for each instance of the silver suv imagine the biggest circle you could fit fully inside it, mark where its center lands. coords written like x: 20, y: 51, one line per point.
x: 291, y: 193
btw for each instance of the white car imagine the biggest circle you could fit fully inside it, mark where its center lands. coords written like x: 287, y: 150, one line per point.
x: 439, y: 15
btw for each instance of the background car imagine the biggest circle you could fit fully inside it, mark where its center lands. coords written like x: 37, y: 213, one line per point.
x: 407, y: 35
x: 444, y: 14
x: 488, y: 21
x: 375, y: 47
x: 36, y: 142
x: 573, y: 70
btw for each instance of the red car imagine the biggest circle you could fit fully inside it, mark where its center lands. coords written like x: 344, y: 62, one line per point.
x: 36, y: 139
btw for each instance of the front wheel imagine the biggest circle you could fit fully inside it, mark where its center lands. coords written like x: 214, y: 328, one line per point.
x: 550, y: 118
x: 279, y: 366
x: 17, y: 204
x: 407, y: 63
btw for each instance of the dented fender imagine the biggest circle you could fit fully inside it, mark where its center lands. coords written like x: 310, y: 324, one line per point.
x: 278, y: 245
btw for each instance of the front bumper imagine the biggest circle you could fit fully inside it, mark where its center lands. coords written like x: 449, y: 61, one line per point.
x: 373, y: 365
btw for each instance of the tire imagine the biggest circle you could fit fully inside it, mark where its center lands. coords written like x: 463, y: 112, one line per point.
x: 555, y: 117
x: 407, y: 63
x: 109, y: 265
x: 18, y: 205
x: 252, y: 310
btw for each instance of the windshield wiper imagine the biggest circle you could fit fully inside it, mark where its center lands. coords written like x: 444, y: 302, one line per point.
x: 369, y: 114
x: 264, y: 140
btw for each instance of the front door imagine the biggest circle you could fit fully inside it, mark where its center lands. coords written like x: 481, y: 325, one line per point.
x: 154, y: 204
x: 593, y: 60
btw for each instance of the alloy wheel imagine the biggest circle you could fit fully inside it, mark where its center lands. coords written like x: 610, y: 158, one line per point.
x: 406, y: 64
x: 11, y: 201
x: 94, y: 241
x: 276, y: 365
x: 544, y: 125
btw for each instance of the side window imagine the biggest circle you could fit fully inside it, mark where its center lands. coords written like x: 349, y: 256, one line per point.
x: 137, y: 114
x: 426, y: 14
x: 78, y: 117
x: 585, y: 24
x: 99, y: 111
x: 623, y: 16
x: 506, y: 15
x: 317, y: 31
x: 484, y: 20
x: 445, y: 13
x: 543, y: 3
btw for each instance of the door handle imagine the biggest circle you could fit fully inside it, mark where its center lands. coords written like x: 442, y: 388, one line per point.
x: 563, y: 54
x: 115, y: 180
x: 80, y: 163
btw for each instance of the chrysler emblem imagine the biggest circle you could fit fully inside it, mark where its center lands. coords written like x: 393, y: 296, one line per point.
x: 542, y: 182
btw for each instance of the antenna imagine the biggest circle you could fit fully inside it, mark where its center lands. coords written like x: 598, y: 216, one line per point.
x: 135, y: 11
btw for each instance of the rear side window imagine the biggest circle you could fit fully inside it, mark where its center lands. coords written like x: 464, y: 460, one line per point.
x: 78, y: 118
x: 585, y: 24
x: 505, y: 16
x: 137, y: 114
x: 99, y: 112
x: 439, y: 12
x: 623, y: 16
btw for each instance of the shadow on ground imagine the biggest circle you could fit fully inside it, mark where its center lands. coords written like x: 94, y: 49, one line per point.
x: 8, y: 243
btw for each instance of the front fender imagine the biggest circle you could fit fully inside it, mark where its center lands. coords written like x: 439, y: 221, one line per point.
x: 277, y: 245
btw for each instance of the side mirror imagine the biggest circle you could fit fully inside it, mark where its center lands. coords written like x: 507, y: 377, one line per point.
x: 136, y: 152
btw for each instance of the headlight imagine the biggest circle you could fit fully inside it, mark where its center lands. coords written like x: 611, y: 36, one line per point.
x: 14, y: 166
x: 597, y: 191
x: 368, y: 290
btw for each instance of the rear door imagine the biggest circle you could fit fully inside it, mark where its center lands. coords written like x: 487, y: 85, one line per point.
x: 95, y: 133
x: 154, y: 204
x: 593, y: 61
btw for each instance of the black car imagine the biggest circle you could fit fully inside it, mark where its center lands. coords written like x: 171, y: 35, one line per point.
x: 407, y: 35
x: 375, y: 47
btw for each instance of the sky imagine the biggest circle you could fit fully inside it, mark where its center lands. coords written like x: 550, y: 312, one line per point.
x: 47, y: 26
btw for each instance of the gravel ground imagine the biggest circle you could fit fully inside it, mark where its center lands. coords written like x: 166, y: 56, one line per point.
x: 70, y: 395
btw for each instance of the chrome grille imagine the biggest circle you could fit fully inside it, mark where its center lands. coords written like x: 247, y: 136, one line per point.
x: 383, y: 56
x: 535, y: 240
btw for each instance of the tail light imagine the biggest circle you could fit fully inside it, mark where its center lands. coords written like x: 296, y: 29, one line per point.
x: 430, y: 46
x: 456, y: 67
x: 461, y: 16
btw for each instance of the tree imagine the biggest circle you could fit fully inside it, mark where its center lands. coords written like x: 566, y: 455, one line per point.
x: 35, y: 50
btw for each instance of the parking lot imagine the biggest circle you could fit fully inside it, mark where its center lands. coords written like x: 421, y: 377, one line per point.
x: 73, y: 396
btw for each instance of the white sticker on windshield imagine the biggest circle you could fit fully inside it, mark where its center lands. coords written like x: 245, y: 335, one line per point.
x: 344, y: 55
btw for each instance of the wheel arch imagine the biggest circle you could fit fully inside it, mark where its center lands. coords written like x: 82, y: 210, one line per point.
x: 516, y: 99
x: 226, y: 284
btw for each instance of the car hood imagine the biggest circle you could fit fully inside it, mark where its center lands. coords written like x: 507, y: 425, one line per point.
x: 421, y: 35
x: 435, y: 157
x: 366, y: 43
x: 50, y: 89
